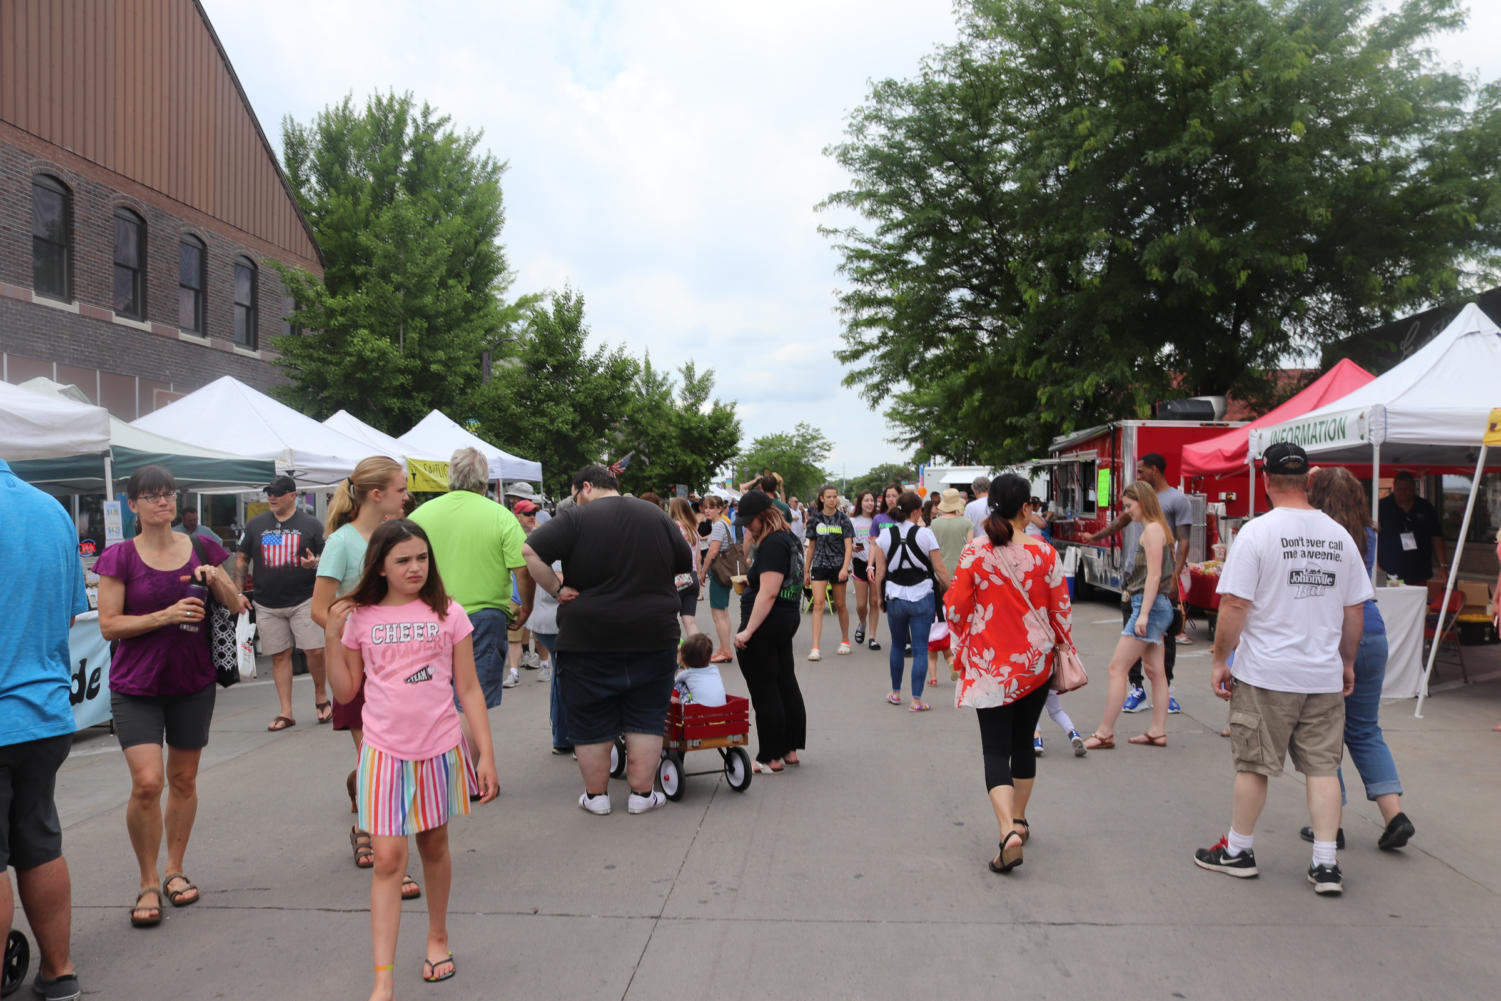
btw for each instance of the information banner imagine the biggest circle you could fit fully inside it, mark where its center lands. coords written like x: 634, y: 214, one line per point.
x: 425, y: 476
x: 1493, y: 429
x: 89, y: 668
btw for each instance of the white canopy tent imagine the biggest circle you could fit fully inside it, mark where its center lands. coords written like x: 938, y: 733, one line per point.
x: 723, y: 492
x: 436, y: 434
x: 1431, y: 411
x: 232, y: 417
x: 381, y: 443
x: 33, y: 426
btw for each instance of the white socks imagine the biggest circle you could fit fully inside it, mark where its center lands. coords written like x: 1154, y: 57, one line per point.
x: 1236, y: 844
x: 1323, y: 853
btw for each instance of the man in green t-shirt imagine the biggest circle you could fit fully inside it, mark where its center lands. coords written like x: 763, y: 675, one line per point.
x: 477, y: 546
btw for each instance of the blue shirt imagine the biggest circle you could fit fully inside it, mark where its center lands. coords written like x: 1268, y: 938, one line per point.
x: 41, y: 589
x: 202, y: 531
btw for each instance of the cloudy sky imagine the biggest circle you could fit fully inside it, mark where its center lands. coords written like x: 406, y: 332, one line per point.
x: 665, y: 157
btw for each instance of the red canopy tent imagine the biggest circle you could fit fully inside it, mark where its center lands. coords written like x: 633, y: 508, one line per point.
x: 1226, y: 453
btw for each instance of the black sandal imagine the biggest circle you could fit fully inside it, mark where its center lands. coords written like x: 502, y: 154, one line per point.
x: 1026, y: 828
x: 1005, y: 865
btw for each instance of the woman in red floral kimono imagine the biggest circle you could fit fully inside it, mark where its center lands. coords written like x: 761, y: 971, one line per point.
x: 1007, y: 608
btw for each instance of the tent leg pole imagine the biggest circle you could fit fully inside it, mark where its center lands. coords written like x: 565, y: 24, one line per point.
x: 1459, y: 548
x: 1251, y: 484
x: 1375, y: 497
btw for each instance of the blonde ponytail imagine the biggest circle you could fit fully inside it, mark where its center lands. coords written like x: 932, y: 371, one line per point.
x: 373, y: 473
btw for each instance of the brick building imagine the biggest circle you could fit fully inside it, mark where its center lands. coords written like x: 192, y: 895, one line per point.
x: 141, y: 205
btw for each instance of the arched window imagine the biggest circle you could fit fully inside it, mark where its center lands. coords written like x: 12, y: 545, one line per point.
x: 50, y: 218
x: 130, y: 265
x: 190, y: 258
x: 245, y: 318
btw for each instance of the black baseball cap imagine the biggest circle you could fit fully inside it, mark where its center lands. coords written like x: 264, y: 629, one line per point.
x: 1285, y: 458
x: 752, y: 503
x: 281, y: 485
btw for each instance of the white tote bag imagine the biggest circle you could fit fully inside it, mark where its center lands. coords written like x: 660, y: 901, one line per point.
x: 245, y: 645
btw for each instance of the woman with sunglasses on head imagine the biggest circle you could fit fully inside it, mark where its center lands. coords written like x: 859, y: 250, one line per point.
x: 867, y: 609
x: 161, y: 678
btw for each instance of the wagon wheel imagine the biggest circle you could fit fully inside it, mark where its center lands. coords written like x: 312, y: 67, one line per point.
x: 737, y: 768
x: 617, y: 758
x: 17, y: 962
x: 670, y: 774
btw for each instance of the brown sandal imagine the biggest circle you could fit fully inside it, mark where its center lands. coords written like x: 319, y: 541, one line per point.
x: 325, y: 712
x: 1146, y: 738
x: 409, y: 888
x: 364, y: 854
x: 174, y: 897
x: 281, y: 723
x: 151, y: 921
x: 1100, y: 743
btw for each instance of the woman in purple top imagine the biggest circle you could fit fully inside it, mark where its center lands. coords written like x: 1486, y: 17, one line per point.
x: 161, y: 677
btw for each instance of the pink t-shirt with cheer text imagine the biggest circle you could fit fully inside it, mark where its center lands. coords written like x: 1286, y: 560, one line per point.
x: 408, y: 656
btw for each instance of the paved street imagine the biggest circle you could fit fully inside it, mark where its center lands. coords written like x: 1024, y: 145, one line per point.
x: 860, y: 875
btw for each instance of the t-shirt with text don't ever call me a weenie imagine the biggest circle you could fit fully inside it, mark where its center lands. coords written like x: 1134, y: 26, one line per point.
x: 1299, y: 569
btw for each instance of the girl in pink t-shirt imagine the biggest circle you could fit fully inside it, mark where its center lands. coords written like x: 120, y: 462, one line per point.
x: 412, y: 648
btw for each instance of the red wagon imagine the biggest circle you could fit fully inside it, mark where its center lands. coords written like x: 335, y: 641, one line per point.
x: 693, y: 727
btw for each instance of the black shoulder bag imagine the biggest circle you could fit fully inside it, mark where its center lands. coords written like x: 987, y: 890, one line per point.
x: 222, y: 644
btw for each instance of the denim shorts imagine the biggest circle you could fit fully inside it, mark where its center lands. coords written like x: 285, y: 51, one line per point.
x: 1158, y: 619
x: 606, y: 694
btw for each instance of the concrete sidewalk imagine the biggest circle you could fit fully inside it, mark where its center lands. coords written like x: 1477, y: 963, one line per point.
x: 859, y: 875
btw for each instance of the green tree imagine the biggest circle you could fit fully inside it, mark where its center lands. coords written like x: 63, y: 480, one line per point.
x: 408, y: 215
x: 798, y: 456
x: 876, y: 478
x: 1085, y: 206
x: 679, y: 434
x: 556, y: 401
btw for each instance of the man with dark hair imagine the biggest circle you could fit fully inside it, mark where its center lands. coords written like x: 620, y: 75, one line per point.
x: 617, y: 628
x: 1410, y: 533
x: 1152, y: 470
x: 1291, y: 608
x: 190, y: 526
x: 41, y: 589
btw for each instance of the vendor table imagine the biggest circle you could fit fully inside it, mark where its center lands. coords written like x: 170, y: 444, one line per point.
x: 1201, y: 590
x: 1404, y: 609
x: 89, y: 666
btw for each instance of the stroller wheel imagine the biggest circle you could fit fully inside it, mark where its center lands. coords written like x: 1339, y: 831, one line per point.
x: 17, y: 963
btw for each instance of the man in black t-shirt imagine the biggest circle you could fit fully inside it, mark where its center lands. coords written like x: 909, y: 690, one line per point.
x: 280, y: 547
x: 1410, y: 533
x: 617, y: 628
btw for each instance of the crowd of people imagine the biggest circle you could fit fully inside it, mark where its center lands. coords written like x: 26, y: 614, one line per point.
x: 413, y: 622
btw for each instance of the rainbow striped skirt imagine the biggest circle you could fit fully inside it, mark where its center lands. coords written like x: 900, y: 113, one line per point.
x: 399, y: 797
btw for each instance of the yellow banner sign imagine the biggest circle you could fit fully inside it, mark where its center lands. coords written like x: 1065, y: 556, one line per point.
x: 427, y: 477
x: 1493, y: 428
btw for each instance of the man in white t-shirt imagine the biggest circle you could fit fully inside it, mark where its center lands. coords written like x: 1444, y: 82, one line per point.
x: 978, y: 509
x: 1290, y: 608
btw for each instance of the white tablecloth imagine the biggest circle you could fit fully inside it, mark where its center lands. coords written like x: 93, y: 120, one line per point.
x: 1404, y: 609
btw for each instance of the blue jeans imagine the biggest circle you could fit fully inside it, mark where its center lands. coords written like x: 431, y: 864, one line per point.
x: 490, y: 646
x: 1363, y: 737
x: 559, y: 714
x: 910, y: 620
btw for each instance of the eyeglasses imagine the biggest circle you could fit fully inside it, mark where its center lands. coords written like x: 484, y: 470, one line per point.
x: 157, y: 497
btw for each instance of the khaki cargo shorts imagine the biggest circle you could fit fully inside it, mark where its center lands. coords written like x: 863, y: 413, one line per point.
x: 1265, y: 726
x: 282, y: 628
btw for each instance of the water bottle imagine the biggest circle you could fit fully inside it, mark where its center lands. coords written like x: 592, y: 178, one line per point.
x: 201, y: 593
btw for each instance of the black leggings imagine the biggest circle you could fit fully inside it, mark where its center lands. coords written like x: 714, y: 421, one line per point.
x: 1169, y: 650
x: 766, y: 662
x: 1006, y: 738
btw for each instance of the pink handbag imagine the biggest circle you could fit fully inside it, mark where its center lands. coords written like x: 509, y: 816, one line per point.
x: 1068, y: 672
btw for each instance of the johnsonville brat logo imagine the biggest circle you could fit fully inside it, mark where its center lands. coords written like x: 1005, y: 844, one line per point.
x: 1310, y: 583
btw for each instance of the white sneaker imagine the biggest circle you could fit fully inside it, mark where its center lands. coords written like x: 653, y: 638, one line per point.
x: 513, y: 678
x: 844, y: 650
x: 530, y: 660
x: 645, y: 804
x: 814, y: 654
x: 597, y: 805
x: 544, y: 673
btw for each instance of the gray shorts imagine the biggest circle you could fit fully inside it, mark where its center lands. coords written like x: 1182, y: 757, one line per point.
x: 280, y: 627
x: 183, y: 720
x: 30, y: 834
